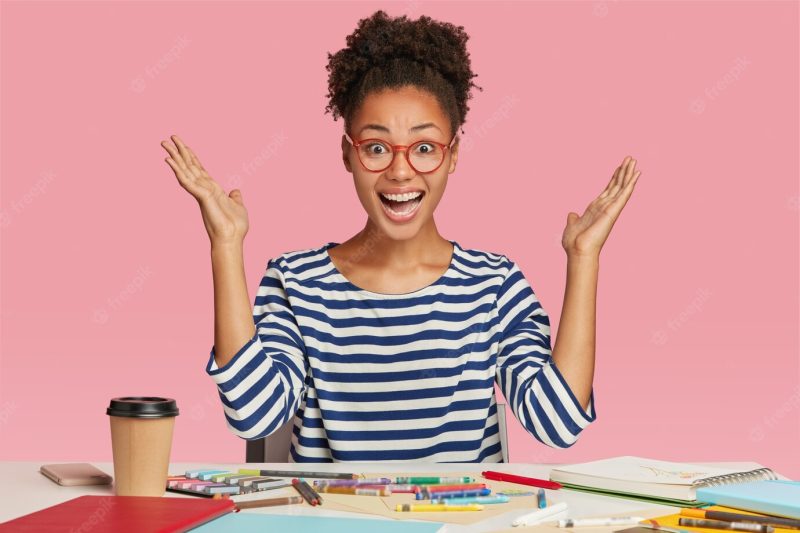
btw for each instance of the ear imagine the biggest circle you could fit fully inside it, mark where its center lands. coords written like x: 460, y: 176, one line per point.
x: 345, y: 150
x: 453, y: 155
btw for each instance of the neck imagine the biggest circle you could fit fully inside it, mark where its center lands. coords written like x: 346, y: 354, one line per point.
x: 381, y: 250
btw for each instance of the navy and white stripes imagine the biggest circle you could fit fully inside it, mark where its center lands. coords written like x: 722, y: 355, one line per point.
x: 397, y: 377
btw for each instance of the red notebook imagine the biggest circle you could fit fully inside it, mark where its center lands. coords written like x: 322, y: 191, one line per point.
x: 122, y: 514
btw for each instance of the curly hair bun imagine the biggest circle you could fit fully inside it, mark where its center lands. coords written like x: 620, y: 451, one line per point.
x: 384, y: 52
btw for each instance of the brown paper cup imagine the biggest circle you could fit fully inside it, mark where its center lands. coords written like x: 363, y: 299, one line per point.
x: 141, y: 440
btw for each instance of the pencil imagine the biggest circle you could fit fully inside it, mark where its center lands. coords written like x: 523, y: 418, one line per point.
x: 306, y: 491
x: 269, y: 502
x: 312, y: 490
x: 721, y: 524
x: 776, y: 521
x: 297, y: 473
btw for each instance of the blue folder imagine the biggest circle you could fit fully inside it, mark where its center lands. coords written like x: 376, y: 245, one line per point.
x: 775, y: 497
x: 251, y: 522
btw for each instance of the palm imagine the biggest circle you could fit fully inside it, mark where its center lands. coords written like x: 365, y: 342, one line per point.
x: 586, y: 234
x: 224, y: 215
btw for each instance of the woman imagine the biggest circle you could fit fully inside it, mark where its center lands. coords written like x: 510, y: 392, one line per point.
x: 386, y: 347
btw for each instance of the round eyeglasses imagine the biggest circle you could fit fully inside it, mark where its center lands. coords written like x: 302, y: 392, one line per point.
x: 377, y: 155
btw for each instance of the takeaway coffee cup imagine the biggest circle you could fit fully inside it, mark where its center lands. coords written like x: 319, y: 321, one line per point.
x: 141, y: 439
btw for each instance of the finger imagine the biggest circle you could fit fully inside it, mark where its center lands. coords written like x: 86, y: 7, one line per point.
x: 236, y: 196
x: 195, y: 160
x: 631, y: 170
x: 182, y: 148
x: 620, y: 179
x: 628, y: 176
x: 174, y: 154
x: 613, y: 181
x: 185, y: 179
x: 185, y: 155
x: 610, y: 183
x: 615, y: 207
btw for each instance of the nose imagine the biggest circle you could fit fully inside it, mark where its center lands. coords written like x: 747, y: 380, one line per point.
x: 400, y: 169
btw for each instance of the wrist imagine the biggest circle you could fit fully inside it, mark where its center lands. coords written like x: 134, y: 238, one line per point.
x: 591, y: 257
x: 227, y: 247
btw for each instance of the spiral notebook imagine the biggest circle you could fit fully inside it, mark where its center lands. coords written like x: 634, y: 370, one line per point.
x: 651, y: 479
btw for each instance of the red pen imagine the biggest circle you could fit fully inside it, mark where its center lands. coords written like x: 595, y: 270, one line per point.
x: 522, y: 480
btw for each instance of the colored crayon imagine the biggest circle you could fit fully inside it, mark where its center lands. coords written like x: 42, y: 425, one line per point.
x: 196, y: 473
x: 356, y: 490
x: 541, y: 501
x: 271, y: 483
x: 348, y: 482
x: 523, y: 480
x: 441, y: 488
x: 425, y: 494
x: 269, y: 502
x: 434, y: 480
x: 306, y: 491
x: 228, y: 478
x: 395, y: 488
x: 404, y: 507
x: 473, y: 499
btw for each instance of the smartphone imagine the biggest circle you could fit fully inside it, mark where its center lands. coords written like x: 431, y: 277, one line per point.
x: 75, y: 474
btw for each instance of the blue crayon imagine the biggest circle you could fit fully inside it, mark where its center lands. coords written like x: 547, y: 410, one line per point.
x: 206, y: 476
x: 196, y: 473
x: 221, y: 489
x: 540, y: 499
x: 425, y: 494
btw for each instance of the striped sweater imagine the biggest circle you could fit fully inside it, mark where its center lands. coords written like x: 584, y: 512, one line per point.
x: 397, y: 377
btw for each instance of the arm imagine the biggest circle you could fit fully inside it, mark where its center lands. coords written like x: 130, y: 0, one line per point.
x: 233, y: 321
x: 258, y: 362
x: 262, y: 384
x: 539, y: 396
x: 583, y: 239
x: 574, y: 351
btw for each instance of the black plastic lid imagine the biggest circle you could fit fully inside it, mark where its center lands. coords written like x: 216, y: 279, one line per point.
x: 142, y: 407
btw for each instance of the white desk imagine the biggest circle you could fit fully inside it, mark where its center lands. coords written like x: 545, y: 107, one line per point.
x: 23, y: 489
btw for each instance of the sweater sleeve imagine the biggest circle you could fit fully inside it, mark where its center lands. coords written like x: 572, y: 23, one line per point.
x: 262, y: 385
x: 533, y: 386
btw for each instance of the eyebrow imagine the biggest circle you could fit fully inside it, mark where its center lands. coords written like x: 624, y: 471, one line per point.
x: 385, y: 129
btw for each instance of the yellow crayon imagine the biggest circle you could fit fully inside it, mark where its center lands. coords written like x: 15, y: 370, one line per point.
x: 438, y: 507
x: 383, y: 491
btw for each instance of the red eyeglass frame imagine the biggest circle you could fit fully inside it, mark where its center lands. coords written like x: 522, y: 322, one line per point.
x: 405, y: 147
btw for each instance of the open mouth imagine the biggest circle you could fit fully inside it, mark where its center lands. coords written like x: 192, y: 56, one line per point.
x: 402, y: 205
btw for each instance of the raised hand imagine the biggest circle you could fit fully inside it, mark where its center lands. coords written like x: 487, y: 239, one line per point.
x: 586, y: 234
x: 224, y: 215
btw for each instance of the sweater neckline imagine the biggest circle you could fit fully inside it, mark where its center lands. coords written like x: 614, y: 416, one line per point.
x: 417, y: 292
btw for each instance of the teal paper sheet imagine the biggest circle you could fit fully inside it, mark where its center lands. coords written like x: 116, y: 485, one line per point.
x: 244, y: 522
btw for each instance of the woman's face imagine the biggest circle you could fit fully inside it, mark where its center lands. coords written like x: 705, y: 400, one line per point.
x: 390, y: 116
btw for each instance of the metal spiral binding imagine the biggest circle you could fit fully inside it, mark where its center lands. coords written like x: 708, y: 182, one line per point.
x: 739, y: 477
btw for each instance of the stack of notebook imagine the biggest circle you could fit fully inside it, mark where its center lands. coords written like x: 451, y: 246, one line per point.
x: 683, y: 484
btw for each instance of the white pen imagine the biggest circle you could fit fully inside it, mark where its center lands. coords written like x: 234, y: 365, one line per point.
x: 610, y: 521
x: 536, y: 516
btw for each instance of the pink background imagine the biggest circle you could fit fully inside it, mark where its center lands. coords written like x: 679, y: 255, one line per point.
x: 106, y: 279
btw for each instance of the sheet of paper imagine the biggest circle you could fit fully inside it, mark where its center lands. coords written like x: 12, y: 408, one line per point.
x: 244, y: 522
x: 384, y: 506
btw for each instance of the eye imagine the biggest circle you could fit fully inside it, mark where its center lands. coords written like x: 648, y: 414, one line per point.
x: 376, y: 148
x: 426, y: 148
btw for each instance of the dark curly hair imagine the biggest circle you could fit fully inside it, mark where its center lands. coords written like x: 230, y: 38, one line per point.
x: 386, y: 52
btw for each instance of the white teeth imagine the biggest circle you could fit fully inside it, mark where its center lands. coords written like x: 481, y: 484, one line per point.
x: 402, y: 197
